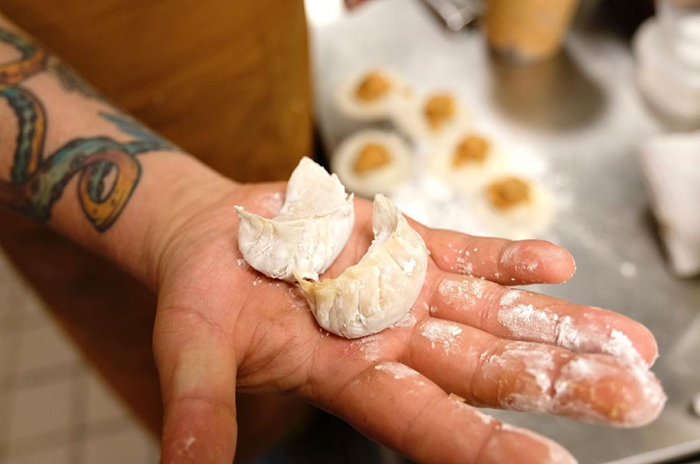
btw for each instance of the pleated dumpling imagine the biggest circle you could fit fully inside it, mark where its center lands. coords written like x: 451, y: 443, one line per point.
x: 379, y: 290
x: 308, y: 233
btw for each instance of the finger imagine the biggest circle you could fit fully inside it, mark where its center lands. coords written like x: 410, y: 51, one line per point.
x: 527, y: 316
x: 395, y: 405
x: 523, y: 376
x: 499, y: 260
x: 197, y: 368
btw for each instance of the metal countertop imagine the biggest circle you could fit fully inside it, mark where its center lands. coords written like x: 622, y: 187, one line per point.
x: 583, y: 113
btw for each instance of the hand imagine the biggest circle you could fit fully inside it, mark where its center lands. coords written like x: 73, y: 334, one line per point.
x: 222, y: 326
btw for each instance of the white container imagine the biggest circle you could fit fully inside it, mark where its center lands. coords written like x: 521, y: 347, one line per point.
x: 668, y: 73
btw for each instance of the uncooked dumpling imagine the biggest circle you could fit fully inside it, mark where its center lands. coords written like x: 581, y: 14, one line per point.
x: 379, y: 290
x: 516, y: 207
x: 373, y: 161
x: 371, y: 94
x: 466, y: 158
x: 310, y: 230
x: 425, y: 118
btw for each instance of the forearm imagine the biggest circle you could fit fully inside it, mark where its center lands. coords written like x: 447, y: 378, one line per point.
x: 73, y: 161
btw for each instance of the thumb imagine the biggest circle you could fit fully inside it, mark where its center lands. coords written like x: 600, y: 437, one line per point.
x: 197, y: 368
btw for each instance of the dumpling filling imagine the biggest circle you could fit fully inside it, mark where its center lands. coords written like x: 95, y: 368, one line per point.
x: 372, y: 156
x: 439, y: 109
x: 472, y: 150
x: 373, y: 87
x: 509, y: 193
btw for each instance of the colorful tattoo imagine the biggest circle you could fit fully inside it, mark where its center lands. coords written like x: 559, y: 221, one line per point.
x: 71, y: 80
x: 132, y: 127
x: 108, y: 171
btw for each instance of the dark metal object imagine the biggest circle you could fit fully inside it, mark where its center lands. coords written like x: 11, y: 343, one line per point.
x: 457, y: 14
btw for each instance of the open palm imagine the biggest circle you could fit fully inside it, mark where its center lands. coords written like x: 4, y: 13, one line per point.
x: 222, y: 326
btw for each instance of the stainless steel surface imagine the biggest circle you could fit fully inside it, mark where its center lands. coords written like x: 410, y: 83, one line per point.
x: 582, y: 111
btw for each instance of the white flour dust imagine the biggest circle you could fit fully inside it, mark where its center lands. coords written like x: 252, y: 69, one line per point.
x: 462, y: 294
x: 398, y: 370
x: 370, y: 347
x: 189, y: 442
x: 441, y: 333
x: 272, y: 202
x: 462, y: 266
x: 508, y: 255
x: 621, y: 346
x: 529, y: 266
x: 585, y: 371
x: 510, y: 297
x: 296, y: 299
x: 186, y: 445
x: 628, y: 269
x: 409, y: 266
x: 537, y: 363
x: 409, y: 320
x: 526, y: 322
x: 589, y: 339
x: 654, y: 396
x: 529, y: 323
x: 641, y: 400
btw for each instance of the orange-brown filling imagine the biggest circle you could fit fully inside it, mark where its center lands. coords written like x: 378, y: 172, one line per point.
x: 471, y: 150
x: 372, y: 156
x: 439, y: 109
x: 508, y: 193
x: 374, y: 86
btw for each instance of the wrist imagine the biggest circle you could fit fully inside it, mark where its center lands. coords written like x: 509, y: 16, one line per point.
x: 172, y: 189
x: 192, y: 189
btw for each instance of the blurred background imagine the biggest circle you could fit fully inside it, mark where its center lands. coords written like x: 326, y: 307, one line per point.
x: 592, y: 106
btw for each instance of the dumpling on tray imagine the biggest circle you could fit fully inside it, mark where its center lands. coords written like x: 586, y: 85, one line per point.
x: 371, y: 95
x: 373, y: 161
x: 516, y: 207
x: 426, y: 117
x: 466, y: 158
